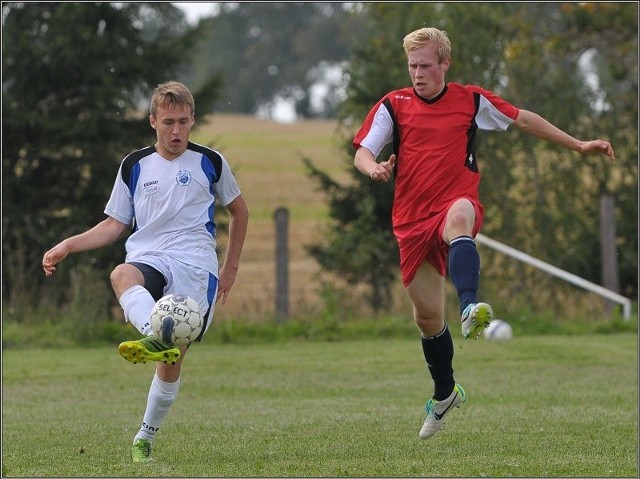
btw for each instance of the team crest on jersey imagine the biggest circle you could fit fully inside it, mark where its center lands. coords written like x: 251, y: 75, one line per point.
x: 183, y: 178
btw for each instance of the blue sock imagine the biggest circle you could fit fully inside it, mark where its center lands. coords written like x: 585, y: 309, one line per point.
x: 464, y: 269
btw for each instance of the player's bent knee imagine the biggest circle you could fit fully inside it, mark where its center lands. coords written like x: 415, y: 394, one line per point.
x: 429, y: 326
x: 124, y: 276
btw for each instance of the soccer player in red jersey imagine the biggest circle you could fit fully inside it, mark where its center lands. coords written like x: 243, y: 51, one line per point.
x: 436, y: 208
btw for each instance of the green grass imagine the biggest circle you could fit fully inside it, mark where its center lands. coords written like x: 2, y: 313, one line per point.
x: 554, y: 406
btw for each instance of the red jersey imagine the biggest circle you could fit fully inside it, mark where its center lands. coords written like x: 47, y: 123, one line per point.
x: 435, y: 144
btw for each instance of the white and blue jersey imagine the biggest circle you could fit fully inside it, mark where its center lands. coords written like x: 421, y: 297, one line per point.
x: 170, y: 204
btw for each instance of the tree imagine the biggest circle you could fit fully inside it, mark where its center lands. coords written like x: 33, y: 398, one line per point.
x: 77, y: 78
x: 555, y: 216
x: 271, y: 49
x: 607, y: 33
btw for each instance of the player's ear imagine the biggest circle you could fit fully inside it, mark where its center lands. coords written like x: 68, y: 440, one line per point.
x: 152, y: 121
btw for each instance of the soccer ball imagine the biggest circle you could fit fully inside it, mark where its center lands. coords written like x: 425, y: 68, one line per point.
x: 176, y: 320
x: 498, y: 330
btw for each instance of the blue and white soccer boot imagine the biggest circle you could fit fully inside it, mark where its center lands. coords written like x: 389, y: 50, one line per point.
x: 475, y: 318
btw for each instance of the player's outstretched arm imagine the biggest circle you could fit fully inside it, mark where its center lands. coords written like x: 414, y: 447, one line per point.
x: 102, y: 234
x: 537, y: 126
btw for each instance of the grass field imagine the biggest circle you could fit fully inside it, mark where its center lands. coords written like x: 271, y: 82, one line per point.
x: 553, y: 406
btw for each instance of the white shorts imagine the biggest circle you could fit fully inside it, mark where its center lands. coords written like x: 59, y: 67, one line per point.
x: 186, y: 279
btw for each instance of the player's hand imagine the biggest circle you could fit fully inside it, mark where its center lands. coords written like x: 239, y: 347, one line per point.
x: 599, y: 146
x: 222, y: 294
x: 53, y: 257
x: 383, y: 170
x: 225, y: 282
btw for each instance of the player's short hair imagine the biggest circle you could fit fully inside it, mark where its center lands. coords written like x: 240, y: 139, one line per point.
x: 419, y: 38
x: 169, y: 95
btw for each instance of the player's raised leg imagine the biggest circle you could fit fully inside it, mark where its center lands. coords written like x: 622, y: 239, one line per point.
x: 138, y: 303
x: 464, y: 266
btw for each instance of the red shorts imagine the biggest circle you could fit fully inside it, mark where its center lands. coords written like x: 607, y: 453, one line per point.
x: 422, y: 240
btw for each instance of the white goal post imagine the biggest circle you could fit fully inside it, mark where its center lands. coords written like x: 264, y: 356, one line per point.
x: 560, y: 273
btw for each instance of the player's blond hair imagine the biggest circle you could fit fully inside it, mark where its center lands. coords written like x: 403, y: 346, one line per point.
x: 170, y: 95
x: 419, y: 38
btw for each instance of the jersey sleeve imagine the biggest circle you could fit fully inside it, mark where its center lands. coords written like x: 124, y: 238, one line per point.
x: 376, y: 130
x: 120, y: 204
x: 226, y: 187
x: 494, y: 113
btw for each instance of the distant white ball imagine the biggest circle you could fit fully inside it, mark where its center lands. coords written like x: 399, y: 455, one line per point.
x: 498, y: 330
x: 176, y: 320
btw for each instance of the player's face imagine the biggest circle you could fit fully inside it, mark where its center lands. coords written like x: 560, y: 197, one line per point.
x: 426, y: 70
x: 173, y: 127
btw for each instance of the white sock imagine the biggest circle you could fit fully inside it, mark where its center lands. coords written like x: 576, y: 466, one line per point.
x: 161, y: 397
x: 137, y: 304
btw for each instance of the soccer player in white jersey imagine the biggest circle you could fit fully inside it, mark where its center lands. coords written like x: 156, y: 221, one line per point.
x: 436, y: 207
x: 165, y: 194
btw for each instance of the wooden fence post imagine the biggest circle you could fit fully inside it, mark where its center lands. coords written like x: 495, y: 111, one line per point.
x: 281, y: 216
x: 608, y: 247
